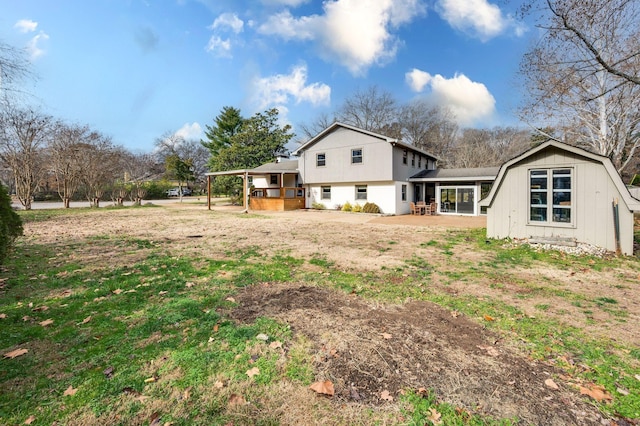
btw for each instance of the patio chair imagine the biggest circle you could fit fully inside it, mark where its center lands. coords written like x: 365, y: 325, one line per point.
x: 414, y: 209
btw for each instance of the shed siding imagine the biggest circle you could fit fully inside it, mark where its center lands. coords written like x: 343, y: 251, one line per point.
x: 593, y: 193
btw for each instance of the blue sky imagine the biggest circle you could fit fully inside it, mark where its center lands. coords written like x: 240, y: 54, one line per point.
x: 137, y: 69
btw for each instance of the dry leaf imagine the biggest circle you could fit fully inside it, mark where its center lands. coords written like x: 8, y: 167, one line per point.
x: 597, y: 392
x: 86, y: 320
x: 162, y: 293
x: 236, y: 399
x: 16, y: 353
x: 490, y: 350
x: 489, y: 318
x: 325, y: 388
x: 30, y: 420
x: 189, y: 285
x: 262, y: 337
x: 40, y: 308
x: 230, y: 299
x: 70, y: 391
x: 386, y: 396
x: 253, y: 372
x: 422, y: 391
x: 455, y: 314
x: 187, y: 393
x: 46, y: 322
x: 434, y: 416
x: 386, y: 335
x: 275, y: 345
x: 551, y: 384
x: 117, y: 291
x: 216, y: 328
x: 26, y: 318
x: 3, y: 316
x: 218, y: 384
x: 150, y: 380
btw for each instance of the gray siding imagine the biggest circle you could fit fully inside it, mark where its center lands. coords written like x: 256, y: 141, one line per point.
x: 337, y: 145
x: 593, y: 192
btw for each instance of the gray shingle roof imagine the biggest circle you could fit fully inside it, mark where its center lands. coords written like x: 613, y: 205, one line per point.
x: 488, y: 173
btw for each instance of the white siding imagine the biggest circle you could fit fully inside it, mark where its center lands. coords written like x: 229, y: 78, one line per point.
x: 380, y: 193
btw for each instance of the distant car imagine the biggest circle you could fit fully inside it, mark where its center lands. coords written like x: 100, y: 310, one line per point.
x: 175, y: 192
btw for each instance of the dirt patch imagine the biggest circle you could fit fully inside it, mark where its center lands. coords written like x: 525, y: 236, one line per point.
x: 366, y: 350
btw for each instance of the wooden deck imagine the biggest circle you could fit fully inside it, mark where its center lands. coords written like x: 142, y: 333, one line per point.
x: 277, y: 199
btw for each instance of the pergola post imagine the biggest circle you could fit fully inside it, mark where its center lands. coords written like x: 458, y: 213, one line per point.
x: 208, y: 192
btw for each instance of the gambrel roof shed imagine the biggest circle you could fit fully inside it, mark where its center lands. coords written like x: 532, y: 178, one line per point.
x: 558, y: 191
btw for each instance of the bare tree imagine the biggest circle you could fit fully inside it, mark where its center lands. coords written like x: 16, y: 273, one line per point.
x: 65, y: 149
x: 24, y: 137
x: 372, y: 109
x: 309, y: 130
x: 430, y: 128
x: 583, y: 74
x: 139, y: 168
x: 101, y: 166
x: 13, y: 67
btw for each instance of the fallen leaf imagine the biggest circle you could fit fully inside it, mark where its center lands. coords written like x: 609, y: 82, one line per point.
x: 275, y: 345
x: 597, y: 392
x: 46, y: 322
x: 230, y: 299
x: 216, y: 328
x: 70, y: 391
x: 386, y: 336
x: 489, y: 318
x: 551, y: 384
x: 422, y: 391
x: 30, y: 420
x: 3, y: 316
x: 187, y: 393
x: 386, y: 395
x: 155, y: 419
x: 262, y: 336
x: 218, y: 384
x: 150, y: 380
x: 622, y: 391
x: 325, y: 388
x: 253, y: 372
x: 189, y: 284
x: 86, y: 320
x: 162, y: 293
x: 490, y: 350
x: 637, y: 376
x: 108, y: 372
x: 117, y: 291
x: 455, y: 314
x: 434, y: 416
x: 40, y: 308
x: 16, y: 353
x: 211, y: 339
x: 236, y: 399
x: 26, y: 318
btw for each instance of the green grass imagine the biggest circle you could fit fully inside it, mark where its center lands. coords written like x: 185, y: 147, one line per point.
x: 158, y: 327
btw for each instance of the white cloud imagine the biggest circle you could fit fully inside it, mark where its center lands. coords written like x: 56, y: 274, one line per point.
x: 26, y: 25
x: 477, y: 17
x: 469, y: 101
x: 190, y: 131
x: 354, y: 33
x: 33, y: 47
x: 228, y: 20
x: 219, y: 47
x: 278, y: 90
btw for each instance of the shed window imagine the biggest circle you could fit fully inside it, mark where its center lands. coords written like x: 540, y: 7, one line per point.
x: 361, y: 192
x: 551, y: 196
x: 356, y: 156
x: 326, y: 192
x: 321, y: 160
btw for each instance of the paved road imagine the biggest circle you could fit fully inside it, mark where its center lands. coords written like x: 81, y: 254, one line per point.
x: 58, y: 205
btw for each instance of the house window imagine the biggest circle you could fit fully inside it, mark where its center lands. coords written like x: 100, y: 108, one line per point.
x: 413, y: 160
x: 274, y: 179
x: 404, y: 157
x: 550, y: 196
x: 404, y: 192
x: 361, y: 192
x: 356, y: 156
x: 320, y: 160
x: 420, y: 162
x: 326, y: 192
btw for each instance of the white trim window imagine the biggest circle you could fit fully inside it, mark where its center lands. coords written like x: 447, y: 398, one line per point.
x: 356, y: 156
x: 325, y: 192
x: 551, y: 196
x: 361, y: 192
x: 321, y: 159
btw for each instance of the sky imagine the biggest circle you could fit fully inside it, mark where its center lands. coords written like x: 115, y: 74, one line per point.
x: 136, y: 70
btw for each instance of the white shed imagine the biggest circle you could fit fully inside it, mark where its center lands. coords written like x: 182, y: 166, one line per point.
x: 557, y: 192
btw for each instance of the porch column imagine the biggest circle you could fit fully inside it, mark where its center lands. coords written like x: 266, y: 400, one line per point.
x: 245, y: 192
x: 209, y: 192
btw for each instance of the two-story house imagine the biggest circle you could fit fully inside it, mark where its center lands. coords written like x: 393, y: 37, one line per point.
x: 346, y: 164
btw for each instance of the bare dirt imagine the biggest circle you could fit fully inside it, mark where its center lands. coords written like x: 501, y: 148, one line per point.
x: 367, y: 348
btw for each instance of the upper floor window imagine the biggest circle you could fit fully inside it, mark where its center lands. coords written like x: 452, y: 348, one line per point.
x: 356, y: 156
x: 420, y: 162
x: 413, y: 159
x: 551, y: 196
x: 321, y: 160
x: 404, y: 156
x: 274, y: 179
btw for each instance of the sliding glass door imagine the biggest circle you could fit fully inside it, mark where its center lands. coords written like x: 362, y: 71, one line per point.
x: 457, y: 199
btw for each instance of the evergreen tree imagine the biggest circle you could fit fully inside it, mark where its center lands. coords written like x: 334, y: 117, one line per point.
x: 10, y: 224
x: 227, y: 124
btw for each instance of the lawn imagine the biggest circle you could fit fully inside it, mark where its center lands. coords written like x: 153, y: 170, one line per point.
x: 182, y: 316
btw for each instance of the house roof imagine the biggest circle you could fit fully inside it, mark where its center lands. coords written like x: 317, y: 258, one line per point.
x: 632, y: 203
x: 456, y: 175
x: 286, y: 166
x: 336, y: 124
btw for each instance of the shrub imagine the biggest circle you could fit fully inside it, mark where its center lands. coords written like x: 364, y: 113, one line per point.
x: 10, y: 224
x: 318, y: 206
x: 357, y: 208
x: 371, y: 208
x: 346, y: 207
x: 338, y: 207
